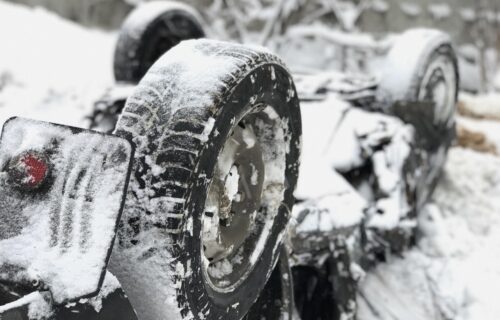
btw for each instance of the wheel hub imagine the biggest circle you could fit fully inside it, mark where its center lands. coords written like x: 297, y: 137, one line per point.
x: 234, y: 196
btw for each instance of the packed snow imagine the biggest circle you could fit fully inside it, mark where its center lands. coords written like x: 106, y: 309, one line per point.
x: 53, y: 70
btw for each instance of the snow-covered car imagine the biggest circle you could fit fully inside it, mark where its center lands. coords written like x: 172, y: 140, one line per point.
x: 220, y: 193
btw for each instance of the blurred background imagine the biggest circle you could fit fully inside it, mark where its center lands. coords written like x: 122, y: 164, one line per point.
x: 473, y: 24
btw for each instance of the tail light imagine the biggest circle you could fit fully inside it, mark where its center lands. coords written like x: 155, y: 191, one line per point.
x: 29, y: 170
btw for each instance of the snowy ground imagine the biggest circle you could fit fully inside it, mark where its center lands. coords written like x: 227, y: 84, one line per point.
x: 53, y: 70
x: 50, y: 69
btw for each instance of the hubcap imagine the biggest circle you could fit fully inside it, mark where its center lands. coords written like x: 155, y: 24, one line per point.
x: 235, y: 195
x: 239, y: 212
x: 439, y: 86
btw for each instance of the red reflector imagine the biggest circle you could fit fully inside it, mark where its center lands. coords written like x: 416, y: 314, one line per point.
x: 36, y: 169
x: 29, y: 170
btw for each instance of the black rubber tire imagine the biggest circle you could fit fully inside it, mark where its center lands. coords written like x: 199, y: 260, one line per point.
x: 276, y: 301
x: 199, y: 88
x: 432, y: 137
x: 149, y: 31
x: 444, y: 132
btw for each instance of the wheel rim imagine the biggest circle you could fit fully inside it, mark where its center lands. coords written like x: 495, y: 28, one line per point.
x: 439, y: 86
x: 238, y: 212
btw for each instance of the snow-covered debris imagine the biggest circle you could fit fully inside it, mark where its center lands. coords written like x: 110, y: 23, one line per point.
x: 411, y: 9
x: 453, y: 273
x: 340, y: 138
x: 415, y: 46
x: 50, y: 69
x: 60, y: 236
x: 456, y: 268
x: 358, y: 40
x: 439, y: 11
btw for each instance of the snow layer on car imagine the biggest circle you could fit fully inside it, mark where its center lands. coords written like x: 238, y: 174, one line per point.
x: 198, y: 68
x: 341, y: 139
x: 406, y: 57
x: 318, y: 182
x: 61, y: 234
x: 453, y: 272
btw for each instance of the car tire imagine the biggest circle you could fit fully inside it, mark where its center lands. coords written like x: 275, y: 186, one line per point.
x: 183, y: 118
x: 276, y: 301
x: 149, y: 31
x: 422, y: 67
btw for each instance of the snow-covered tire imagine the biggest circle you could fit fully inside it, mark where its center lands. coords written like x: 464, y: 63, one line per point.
x: 149, y: 31
x: 412, y: 56
x: 422, y: 66
x: 276, y: 302
x: 183, y: 117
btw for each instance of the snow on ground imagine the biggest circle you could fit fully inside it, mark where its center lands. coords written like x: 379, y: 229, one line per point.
x: 454, y: 272
x: 51, y: 69
x: 490, y: 128
x: 484, y: 106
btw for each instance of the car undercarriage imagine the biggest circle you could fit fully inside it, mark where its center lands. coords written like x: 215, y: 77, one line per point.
x: 209, y: 188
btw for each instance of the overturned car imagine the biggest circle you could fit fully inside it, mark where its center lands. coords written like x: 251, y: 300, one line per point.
x: 222, y: 185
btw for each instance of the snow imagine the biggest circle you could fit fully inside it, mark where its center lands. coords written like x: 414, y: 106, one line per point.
x: 53, y: 70
x: 380, y: 6
x: 452, y: 273
x: 341, y: 140
x: 468, y: 14
x: 109, y: 285
x: 439, y: 11
x: 411, y: 9
x: 63, y: 238
x: 414, y: 45
x: 484, y: 106
x: 361, y: 40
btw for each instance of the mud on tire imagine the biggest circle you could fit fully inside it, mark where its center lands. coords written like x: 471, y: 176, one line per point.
x: 184, y: 114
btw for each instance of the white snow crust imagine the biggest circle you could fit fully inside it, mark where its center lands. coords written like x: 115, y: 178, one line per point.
x: 342, y: 139
x: 62, y: 238
x: 453, y: 273
x: 407, y: 56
